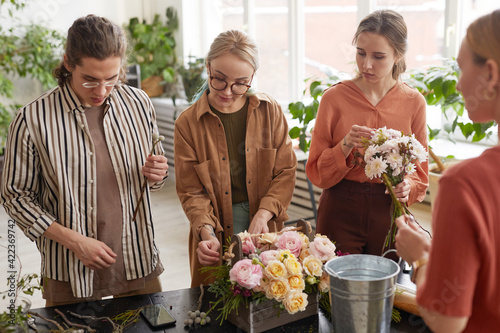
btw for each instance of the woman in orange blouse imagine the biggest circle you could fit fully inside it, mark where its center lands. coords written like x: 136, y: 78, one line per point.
x: 354, y: 210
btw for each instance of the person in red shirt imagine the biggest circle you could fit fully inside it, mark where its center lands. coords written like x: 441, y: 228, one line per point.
x: 355, y: 211
x: 457, y: 273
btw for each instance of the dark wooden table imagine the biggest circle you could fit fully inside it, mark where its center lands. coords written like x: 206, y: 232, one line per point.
x: 178, y: 303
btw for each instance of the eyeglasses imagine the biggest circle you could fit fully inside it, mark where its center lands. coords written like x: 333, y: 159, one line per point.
x: 97, y: 84
x: 220, y: 84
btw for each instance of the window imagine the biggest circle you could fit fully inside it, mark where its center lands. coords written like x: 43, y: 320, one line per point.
x: 298, y: 39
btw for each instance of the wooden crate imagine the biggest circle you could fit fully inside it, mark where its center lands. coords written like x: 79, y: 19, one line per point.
x: 263, y: 317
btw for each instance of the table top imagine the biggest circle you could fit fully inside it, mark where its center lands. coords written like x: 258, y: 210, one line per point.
x: 178, y: 303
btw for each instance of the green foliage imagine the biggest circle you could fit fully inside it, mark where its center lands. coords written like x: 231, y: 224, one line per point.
x: 26, y: 50
x: 305, y: 113
x: 191, y: 76
x: 152, y: 45
x: 438, y: 85
x: 18, y: 315
x: 222, y: 288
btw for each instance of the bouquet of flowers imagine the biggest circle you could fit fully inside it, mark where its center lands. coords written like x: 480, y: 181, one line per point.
x: 282, y: 266
x: 390, y: 156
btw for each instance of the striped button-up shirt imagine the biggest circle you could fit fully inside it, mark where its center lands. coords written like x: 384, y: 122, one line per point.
x: 49, y: 175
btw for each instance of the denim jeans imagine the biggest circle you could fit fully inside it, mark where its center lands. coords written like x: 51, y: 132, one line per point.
x: 241, y: 217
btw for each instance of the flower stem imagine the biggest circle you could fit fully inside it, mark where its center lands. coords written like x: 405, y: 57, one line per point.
x: 398, y: 207
x: 398, y: 211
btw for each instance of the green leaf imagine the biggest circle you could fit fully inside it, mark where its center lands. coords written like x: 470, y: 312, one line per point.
x: 449, y: 87
x: 433, y: 133
x: 296, y: 109
x: 294, y: 132
x: 467, y: 129
x: 318, y: 91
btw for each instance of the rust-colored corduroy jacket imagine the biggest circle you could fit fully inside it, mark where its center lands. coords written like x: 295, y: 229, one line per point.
x: 202, y: 170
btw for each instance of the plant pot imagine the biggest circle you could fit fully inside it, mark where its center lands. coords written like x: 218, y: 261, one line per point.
x: 434, y: 176
x: 152, y: 86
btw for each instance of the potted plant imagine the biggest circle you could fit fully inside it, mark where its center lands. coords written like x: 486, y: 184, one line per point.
x: 192, y: 76
x: 438, y: 85
x: 152, y: 46
x: 15, y: 317
x: 26, y: 50
x: 305, y: 113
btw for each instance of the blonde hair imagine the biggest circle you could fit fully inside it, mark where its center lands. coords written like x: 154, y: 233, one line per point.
x: 233, y: 42
x: 237, y: 43
x: 392, y: 26
x: 483, y: 38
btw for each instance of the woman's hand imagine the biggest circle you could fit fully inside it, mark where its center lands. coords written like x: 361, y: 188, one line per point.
x: 208, y: 252
x: 357, y: 134
x: 208, y: 248
x: 412, y: 243
x: 402, y: 191
x: 259, y: 222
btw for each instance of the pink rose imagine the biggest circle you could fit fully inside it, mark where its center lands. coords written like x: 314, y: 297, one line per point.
x: 322, y: 248
x: 247, y: 245
x: 267, y: 256
x: 246, y: 274
x: 292, y: 241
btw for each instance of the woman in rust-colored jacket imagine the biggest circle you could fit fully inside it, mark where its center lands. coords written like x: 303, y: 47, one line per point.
x: 234, y: 162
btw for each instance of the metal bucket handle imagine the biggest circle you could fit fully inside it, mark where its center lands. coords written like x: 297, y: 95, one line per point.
x: 395, y: 251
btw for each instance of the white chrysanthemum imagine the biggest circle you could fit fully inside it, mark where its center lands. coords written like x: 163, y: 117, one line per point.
x: 370, y: 152
x: 392, y: 134
x: 380, y: 135
x: 419, y: 151
x: 410, y: 168
x: 377, y: 166
x: 404, y: 140
x: 394, y: 160
x: 369, y: 171
x: 396, y: 171
x: 390, y: 146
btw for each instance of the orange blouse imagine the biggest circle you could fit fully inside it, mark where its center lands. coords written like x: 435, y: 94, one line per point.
x: 464, y: 259
x: 344, y: 105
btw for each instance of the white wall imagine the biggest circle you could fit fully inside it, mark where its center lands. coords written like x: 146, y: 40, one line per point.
x: 60, y: 14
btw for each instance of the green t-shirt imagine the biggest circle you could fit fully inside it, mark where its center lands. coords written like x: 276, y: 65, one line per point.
x: 235, y: 126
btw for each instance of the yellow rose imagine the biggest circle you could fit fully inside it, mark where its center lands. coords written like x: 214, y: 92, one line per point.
x: 296, y: 282
x: 268, y: 239
x: 277, y: 289
x: 285, y: 254
x: 275, y: 270
x: 324, y: 283
x: 313, y: 266
x: 305, y: 239
x: 293, y: 266
x: 295, y: 301
x: 305, y: 253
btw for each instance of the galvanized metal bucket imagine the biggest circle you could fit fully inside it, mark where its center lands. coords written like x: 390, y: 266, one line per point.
x: 362, y: 290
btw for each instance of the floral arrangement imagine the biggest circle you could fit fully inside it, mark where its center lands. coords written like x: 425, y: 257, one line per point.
x: 390, y: 156
x: 283, y: 266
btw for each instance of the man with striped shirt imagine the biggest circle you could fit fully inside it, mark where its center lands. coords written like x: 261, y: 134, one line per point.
x: 75, y: 161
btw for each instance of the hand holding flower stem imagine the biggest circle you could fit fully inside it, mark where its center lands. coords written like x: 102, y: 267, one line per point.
x: 156, y: 139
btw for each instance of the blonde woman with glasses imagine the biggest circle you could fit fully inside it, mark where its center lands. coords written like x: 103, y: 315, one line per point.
x: 234, y: 162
